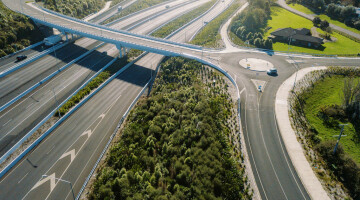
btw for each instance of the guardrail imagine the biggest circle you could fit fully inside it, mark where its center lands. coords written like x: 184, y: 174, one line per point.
x: 112, y: 136
x: 160, y: 13
x: 47, y: 78
x: 22, y: 50
x: 32, y: 59
x: 28, y: 149
x: 137, y: 12
x: 109, y: 29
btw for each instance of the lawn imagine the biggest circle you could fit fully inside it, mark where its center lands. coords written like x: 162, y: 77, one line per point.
x: 306, y: 10
x: 328, y: 92
x: 343, y: 45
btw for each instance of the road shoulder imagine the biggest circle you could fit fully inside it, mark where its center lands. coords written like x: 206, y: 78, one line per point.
x: 293, y: 147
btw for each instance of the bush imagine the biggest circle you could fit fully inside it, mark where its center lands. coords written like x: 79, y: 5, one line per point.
x: 316, y: 21
x: 342, y: 166
x: 324, y: 25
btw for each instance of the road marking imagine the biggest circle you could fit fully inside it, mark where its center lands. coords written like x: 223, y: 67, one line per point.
x: 28, y: 106
x: 23, y: 177
x: 50, y: 150
x: 242, y: 90
x: 52, y: 182
x: 71, y: 153
x: 89, y: 132
x: 7, y: 122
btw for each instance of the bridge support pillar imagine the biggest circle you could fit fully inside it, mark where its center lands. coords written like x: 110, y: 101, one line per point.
x: 64, y: 33
x: 120, y: 48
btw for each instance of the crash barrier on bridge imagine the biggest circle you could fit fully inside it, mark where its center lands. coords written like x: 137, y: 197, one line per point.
x: 159, y: 14
x: 47, y: 78
x: 112, y: 137
x: 22, y: 50
x: 106, y: 28
x: 202, y: 27
x: 137, y: 12
x: 32, y: 59
x: 32, y: 131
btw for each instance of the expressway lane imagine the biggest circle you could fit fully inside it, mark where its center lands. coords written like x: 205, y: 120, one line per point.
x: 125, y: 88
x: 17, y: 121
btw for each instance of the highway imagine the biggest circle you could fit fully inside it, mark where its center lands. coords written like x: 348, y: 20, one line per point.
x: 16, y: 123
x: 102, y: 115
x: 71, y: 150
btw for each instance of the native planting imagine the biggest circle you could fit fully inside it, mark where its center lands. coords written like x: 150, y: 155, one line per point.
x: 74, y: 8
x: 319, y: 104
x: 179, y: 143
x: 17, y: 31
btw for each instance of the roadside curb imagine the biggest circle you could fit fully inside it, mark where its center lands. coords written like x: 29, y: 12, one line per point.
x: 293, y: 147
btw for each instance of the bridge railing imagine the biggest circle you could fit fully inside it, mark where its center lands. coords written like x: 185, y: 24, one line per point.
x: 113, y: 30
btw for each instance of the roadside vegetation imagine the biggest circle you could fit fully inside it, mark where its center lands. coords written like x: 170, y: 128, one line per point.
x: 210, y: 36
x: 181, y: 21
x: 95, y: 83
x: 320, y: 103
x: 249, y: 25
x: 175, y: 144
x: 75, y: 8
x: 114, y: 2
x: 17, y: 31
x: 343, y: 15
x: 139, y: 5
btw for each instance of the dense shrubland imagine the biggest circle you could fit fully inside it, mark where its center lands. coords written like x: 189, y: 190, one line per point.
x: 174, y: 144
x: 74, y: 8
x: 318, y: 105
x: 17, y: 31
x: 249, y: 25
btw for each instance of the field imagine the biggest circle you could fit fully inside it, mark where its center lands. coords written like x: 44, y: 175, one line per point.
x: 328, y: 92
x: 323, y: 17
x: 343, y: 45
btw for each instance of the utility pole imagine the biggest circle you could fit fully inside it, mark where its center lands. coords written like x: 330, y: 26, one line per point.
x: 338, y: 140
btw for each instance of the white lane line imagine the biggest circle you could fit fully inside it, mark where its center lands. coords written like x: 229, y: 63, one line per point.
x: 7, y: 122
x: 28, y: 106
x: 50, y: 150
x: 242, y: 90
x: 23, y: 177
x: 40, y: 107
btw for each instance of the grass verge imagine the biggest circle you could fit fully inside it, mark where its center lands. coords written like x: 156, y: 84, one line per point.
x: 210, y: 36
x: 179, y: 22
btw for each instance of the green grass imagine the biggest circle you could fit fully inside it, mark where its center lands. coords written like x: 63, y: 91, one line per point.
x: 177, y: 23
x: 301, y: 8
x: 210, y: 35
x: 306, y: 10
x: 328, y: 92
x: 343, y: 45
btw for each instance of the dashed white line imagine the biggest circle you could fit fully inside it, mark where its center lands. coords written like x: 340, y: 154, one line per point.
x: 23, y: 177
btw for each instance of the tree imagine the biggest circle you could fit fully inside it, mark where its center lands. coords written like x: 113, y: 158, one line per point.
x: 257, y: 42
x: 316, y: 21
x: 318, y: 4
x: 324, y: 24
x: 357, y: 24
x: 348, y: 12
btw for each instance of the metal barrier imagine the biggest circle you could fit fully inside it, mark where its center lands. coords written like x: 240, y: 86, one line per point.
x: 47, y: 78
x: 28, y: 149
x: 30, y: 60
x: 25, y: 49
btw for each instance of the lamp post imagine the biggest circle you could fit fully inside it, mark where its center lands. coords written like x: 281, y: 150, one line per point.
x: 338, y: 140
x: 58, y: 179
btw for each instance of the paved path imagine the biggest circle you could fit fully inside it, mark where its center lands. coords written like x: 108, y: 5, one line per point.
x: 293, y: 147
x: 283, y: 4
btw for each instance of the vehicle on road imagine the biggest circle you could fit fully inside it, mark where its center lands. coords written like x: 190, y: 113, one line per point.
x: 167, y: 6
x: 52, y: 40
x: 20, y: 58
x: 119, y: 8
x: 272, y: 71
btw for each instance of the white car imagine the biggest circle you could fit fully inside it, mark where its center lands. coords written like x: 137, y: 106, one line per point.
x: 272, y: 71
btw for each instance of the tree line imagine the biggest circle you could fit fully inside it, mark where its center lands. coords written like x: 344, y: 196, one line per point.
x: 174, y: 143
x: 249, y: 24
x: 74, y: 8
x: 17, y: 31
